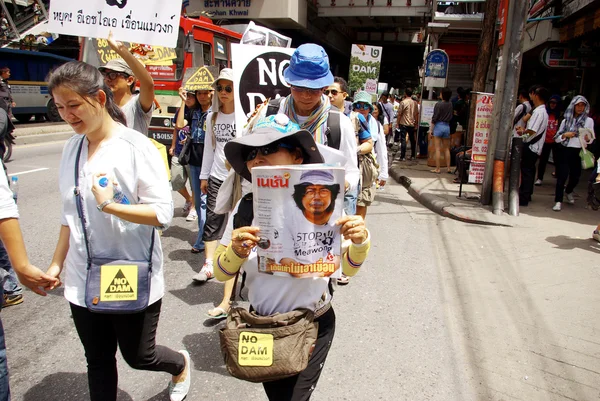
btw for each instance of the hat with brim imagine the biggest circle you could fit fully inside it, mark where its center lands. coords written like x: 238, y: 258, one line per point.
x: 237, y: 149
x: 362, y: 97
x: 118, y: 65
x: 225, y: 73
x: 309, y: 67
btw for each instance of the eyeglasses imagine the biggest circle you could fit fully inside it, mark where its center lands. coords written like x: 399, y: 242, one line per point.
x: 227, y: 88
x: 112, y: 75
x: 266, y: 150
x: 311, y: 91
x: 323, y: 192
x: 334, y: 92
x: 362, y: 106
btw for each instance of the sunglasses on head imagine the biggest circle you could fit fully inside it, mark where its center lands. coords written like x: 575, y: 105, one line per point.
x: 334, y: 92
x: 309, y: 90
x: 227, y: 88
x: 362, y: 106
x: 112, y: 75
x: 266, y: 150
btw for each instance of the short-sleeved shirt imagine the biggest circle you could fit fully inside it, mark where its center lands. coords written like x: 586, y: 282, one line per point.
x: 538, y: 123
x: 138, y: 168
x: 442, y: 112
x: 135, y: 115
x: 364, y: 132
x: 521, y: 111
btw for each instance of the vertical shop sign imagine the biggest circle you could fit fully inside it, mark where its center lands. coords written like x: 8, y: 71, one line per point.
x: 436, y: 69
x: 365, y: 64
x: 502, y: 21
x: 483, y: 121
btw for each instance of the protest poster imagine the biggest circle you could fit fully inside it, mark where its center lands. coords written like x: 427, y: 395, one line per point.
x: 200, y: 78
x: 152, y: 22
x: 483, y: 121
x: 436, y: 69
x: 258, y: 76
x: 365, y: 63
x: 261, y: 36
x: 296, y: 208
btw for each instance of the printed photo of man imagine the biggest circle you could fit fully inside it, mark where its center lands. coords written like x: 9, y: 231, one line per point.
x: 315, y: 195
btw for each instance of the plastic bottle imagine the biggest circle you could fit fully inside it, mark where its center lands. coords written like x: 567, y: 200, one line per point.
x: 14, y: 186
x: 118, y: 197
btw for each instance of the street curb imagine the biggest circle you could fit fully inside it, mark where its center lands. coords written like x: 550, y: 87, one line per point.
x: 435, y: 203
x: 43, y: 138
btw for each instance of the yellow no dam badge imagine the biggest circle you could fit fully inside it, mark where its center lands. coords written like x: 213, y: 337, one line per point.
x: 118, y: 283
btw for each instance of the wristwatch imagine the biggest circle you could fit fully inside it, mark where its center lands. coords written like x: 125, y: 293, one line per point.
x: 103, y: 204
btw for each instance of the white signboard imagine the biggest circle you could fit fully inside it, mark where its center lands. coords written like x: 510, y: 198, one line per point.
x: 151, y: 22
x: 427, y: 112
x: 483, y: 122
x: 258, y: 76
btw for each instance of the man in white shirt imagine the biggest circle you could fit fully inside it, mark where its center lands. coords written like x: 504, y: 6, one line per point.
x: 533, y: 141
x: 524, y: 108
x: 120, y: 75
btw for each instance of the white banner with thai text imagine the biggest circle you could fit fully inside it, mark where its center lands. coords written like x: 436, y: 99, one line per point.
x: 481, y: 133
x: 151, y: 22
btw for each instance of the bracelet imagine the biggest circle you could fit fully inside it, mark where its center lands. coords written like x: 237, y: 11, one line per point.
x: 237, y: 254
x: 104, y: 204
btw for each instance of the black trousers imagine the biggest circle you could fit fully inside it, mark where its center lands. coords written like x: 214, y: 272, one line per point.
x: 528, y: 160
x: 135, y: 334
x: 401, y: 132
x: 301, y: 386
x: 215, y: 224
x: 568, y: 165
x: 546, y: 150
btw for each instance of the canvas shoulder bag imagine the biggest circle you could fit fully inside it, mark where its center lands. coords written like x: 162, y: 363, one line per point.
x: 266, y: 348
x: 114, y: 286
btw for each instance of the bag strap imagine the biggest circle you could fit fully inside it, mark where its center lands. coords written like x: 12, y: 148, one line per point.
x: 273, y: 107
x: 243, y: 217
x: 334, y: 131
x: 81, y: 214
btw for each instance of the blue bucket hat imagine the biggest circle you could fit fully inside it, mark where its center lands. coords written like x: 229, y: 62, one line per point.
x: 309, y: 67
x: 362, y: 97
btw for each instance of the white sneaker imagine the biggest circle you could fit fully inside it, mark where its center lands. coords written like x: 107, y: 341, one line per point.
x: 178, y: 391
x: 570, y: 198
x: 186, y: 208
x: 538, y: 182
x: 192, y: 215
x: 557, y: 207
x: 205, y: 274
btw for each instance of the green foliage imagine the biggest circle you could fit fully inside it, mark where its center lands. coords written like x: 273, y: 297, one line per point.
x: 357, y: 79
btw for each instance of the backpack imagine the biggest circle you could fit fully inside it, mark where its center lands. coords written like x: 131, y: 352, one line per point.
x: 333, y: 132
x: 521, y: 114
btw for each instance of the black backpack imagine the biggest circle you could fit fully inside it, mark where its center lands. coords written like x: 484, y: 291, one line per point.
x: 333, y: 133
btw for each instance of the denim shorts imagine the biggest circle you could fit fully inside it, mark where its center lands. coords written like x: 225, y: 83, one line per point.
x: 441, y: 130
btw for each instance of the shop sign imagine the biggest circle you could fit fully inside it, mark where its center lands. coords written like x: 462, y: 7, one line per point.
x: 223, y: 8
x: 258, y: 76
x: 502, y: 21
x: 436, y: 69
x: 558, y: 57
x: 483, y: 121
x: 365, y: 64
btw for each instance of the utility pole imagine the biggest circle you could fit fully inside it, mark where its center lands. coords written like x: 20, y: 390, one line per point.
x: 492, y: 190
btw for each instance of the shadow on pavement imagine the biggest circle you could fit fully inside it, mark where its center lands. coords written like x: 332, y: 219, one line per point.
x: 67, y: 386
x: 197, y: 294
x: 569, y: 243
x: 181, y: 233
x: 205, y: 351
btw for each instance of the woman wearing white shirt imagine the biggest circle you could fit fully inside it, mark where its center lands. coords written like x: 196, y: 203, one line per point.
x: 568, y: 162
x: 109, y: 149
x: 380, y: 143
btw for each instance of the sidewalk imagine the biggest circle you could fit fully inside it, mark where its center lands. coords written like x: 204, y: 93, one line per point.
x: 27, y: 134
x: 438, y: 193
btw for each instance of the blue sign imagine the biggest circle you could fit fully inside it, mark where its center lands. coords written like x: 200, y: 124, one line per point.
x: 436, y: 64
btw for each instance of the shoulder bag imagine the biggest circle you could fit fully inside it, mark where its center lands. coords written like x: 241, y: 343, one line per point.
x: 266, y: 348
x: 114, y: 286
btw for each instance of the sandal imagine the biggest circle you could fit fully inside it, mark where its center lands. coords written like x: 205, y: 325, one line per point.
x: 434, y: 171
x: 217, y: 313
x: 343, y: 280
x: 194, y: 250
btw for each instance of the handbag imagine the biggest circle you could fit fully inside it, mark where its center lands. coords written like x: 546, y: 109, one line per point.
x: 229, y: 193
x: 114, y: 286
x: 587, y: 159
x: 186, y: 151
x: 266, y: 348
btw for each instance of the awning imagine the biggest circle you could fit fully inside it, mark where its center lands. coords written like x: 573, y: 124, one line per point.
x: 22, y: 3
x: 581, y: 26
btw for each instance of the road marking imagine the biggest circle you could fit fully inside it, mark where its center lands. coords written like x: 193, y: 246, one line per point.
x: 29, y: 171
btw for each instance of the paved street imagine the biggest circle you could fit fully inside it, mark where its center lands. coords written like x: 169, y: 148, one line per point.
x: 442, y: 310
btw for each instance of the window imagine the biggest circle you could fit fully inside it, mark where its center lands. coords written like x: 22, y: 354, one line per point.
x: 202, y: 54
x: 221, y: 52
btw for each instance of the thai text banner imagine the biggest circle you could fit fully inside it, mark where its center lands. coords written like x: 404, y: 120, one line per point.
x: 152, y: 22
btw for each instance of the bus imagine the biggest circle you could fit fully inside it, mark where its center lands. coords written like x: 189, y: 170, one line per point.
x: 199, y: 43
x: 28, y: 70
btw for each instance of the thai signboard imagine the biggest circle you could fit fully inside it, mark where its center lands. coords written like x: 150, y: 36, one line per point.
x: 483, y: 121
x: 365, y: 64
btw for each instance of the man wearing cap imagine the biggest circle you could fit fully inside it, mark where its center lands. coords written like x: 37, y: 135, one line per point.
x: 308, y: 76
x: 120, y: 75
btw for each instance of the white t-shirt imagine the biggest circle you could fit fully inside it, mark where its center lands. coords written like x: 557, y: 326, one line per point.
x: 573, y: 142
x: 269, y: 294
x: 213, y: 160
x: 137, y: 119
x: 538, y: 124
x: 139, y: 169
x: 381, y: 152
x: 519, y: 112
x: 309, y: 242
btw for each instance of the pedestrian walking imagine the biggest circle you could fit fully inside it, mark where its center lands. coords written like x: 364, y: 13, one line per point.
x: 532, y: 135
x: 365, y: 124
x: 278, y: 143
x: 380, y: 146
x: 407, y: 122
x: 120, y: 75
x: 443, y: 112
x: 553, y: 110
x: 569, y: 143
x: 6, y: 99
x: 121, y: 196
